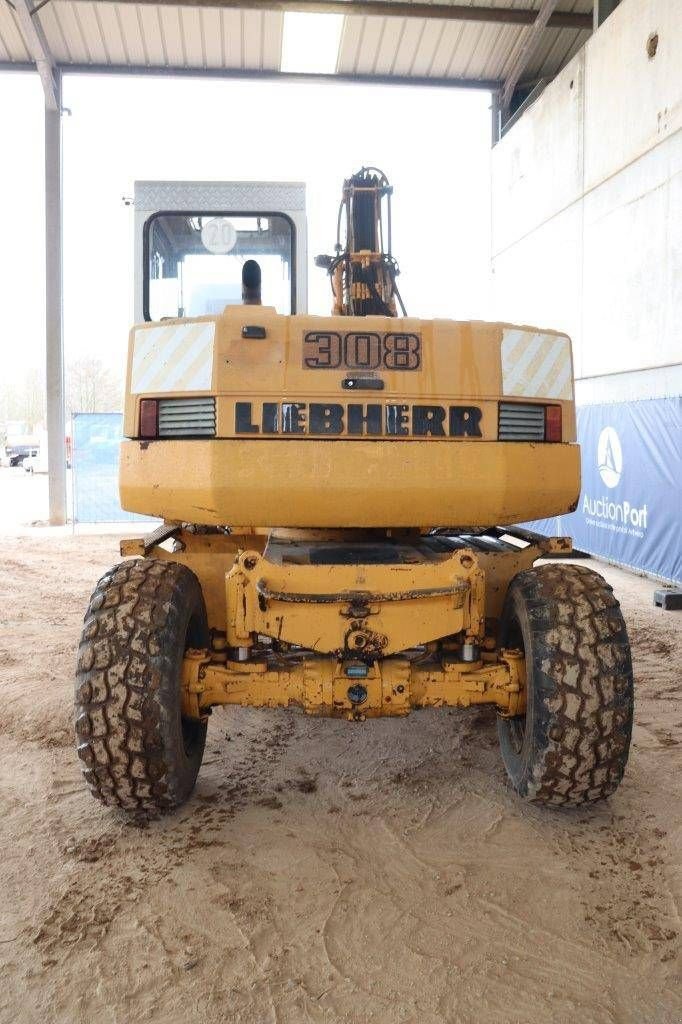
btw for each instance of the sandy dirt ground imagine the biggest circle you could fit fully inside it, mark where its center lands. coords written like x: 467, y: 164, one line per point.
x: 327, y: 872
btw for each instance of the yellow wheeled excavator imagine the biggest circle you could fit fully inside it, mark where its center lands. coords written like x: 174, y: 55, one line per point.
x: 337, y: 498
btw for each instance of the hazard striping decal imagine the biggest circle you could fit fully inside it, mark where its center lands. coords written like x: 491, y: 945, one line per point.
x: 536, y: 365
x: 176, y: 357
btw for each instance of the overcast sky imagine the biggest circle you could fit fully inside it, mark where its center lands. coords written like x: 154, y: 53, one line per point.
x: 433, y: 144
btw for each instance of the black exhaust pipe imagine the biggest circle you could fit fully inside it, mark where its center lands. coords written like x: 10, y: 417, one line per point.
x: 251, y: 281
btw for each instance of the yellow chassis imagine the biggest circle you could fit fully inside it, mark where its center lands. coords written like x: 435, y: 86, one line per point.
x: 321, y: 686
x: 346, y: 640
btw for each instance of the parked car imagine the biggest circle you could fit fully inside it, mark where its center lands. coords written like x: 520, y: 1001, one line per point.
x: 20, y: 442
x: 36, y: 463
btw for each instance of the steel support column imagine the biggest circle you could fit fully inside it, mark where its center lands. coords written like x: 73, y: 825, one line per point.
x: 54, y: 341
x: 602, y: 9
x: 37, y: 45
x: 495, y: 115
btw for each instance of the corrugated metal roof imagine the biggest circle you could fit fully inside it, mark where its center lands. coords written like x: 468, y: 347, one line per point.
x: 455, y: 49
x: 149, y: 36
x: 117, y: 35
x: 12, y: 47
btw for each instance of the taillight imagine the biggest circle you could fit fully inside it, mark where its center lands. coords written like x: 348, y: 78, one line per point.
x: 552, y: 423
x: 149, y: 417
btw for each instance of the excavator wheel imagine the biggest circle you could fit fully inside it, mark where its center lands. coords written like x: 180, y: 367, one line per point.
x: 571, y: 745
x: 138, y: 751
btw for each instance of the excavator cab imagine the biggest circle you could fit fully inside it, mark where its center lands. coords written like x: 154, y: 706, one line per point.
x: 193, y: 238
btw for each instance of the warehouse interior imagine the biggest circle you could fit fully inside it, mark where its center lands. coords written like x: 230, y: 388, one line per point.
x: 598, y: 190
x: 329, y: 872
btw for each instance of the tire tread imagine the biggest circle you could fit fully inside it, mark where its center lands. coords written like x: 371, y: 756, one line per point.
x: 126, y: 650
x: 582, y: 674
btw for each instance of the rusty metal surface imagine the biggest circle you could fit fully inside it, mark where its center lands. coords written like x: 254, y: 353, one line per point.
x: 354, y: 597
x: 375, y: 609
x: 322, y: 686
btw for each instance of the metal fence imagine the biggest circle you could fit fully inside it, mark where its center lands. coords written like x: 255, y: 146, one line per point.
x: 96, y: 439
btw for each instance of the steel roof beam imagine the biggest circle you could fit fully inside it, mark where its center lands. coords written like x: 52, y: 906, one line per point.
x: 528, y: 44
x: 386, y: 9
x: 37, y: 46
x: 485, y: 84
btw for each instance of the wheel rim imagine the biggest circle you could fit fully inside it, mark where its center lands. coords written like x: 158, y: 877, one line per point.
x: 190, y: 734
x: 517, y: 732
x: 190, y: 728
x: 516, y: 725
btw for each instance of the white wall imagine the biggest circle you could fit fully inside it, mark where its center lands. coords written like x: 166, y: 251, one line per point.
x: 587, y: 207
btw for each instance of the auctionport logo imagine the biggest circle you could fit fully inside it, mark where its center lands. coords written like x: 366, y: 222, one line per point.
x: 609, y: 457
x: 603, y: 512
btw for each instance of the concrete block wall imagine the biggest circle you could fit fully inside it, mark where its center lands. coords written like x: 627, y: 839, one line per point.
x: 587, y: 207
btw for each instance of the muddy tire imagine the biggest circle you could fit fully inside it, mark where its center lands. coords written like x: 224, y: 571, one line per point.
x: 572, y: 745
x: 138, y: 751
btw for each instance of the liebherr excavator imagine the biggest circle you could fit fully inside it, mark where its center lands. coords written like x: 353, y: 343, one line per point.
x: 337, y: 498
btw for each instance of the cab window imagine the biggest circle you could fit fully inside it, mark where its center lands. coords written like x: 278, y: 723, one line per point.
x: 193, y: 262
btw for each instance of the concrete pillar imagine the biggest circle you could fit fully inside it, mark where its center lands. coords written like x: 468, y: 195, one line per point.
x: 54, y: 340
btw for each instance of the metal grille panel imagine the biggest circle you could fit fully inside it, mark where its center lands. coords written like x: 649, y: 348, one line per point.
x: 187, y: 417
x: 520, y: 421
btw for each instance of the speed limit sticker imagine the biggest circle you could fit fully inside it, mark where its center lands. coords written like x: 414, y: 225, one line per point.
x: 219, y: 235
